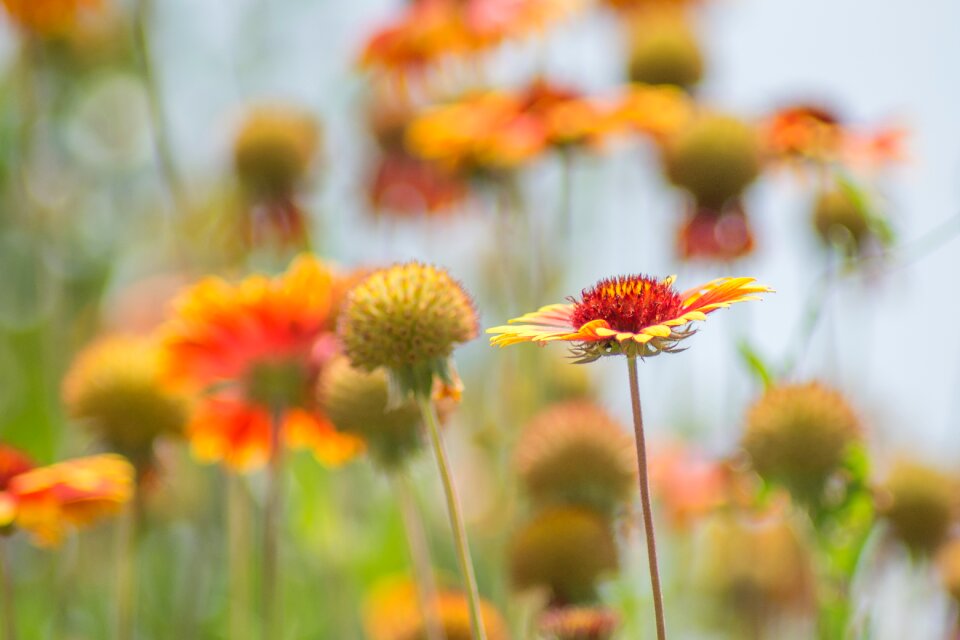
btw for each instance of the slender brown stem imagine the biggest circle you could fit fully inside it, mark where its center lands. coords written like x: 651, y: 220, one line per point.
x: 238, y: 544
x: 7, y: 592
x: 419, y: 555
x: 645, y: 497
x: 270, y: 586
x: 456, y: 516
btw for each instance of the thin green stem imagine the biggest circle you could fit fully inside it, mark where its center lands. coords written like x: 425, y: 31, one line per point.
x: 419, y: 555
x: 7, y: 598
x: 270, y: 587
x: 126, y: 584
x: 645, y: 498
x: 456, y: 516
x: 238, y: 545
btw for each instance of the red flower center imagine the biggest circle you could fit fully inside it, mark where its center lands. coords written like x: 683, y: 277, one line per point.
x: 628, y: 303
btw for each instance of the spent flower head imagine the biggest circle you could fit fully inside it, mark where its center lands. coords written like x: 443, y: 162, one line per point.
x: 920, y: 504
x: 578, y: 623
x: 407, y: 318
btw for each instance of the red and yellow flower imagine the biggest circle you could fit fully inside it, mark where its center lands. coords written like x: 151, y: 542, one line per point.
x: 254, y: 347
x: 627, y: 315
x: 47, y: 501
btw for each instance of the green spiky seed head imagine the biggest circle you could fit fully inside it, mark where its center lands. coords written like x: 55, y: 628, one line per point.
x: 715, y: 159
x: 839, y: 218
x: 574, y: 452
x: 356, y: 401
x: 919, y: 503
x: 406, y: 316
x: 273, y: 150
x: 665, y: 51
x: 798, y: 435
x: 565, y: 550
x: 115, y: 388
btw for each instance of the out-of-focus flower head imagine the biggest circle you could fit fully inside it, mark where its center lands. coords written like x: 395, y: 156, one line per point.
x: 430, y: 30
x: 689, y: 485
x: 799, y: 435
x: 256, y: 346
x: 273, y: 150
x: 578, y: 623
x: 407, y: 318
x: 391, y: 612
x: 568, y: 118
x: 575, y: 453
x: 664, y: 49
x: 715, y: 158
x: 723, y: 237
x: 756, y: 565
x: 565, y: 550
x: 811, y: 133
x: 49, y: 18
x: 403, y: 185
x: 484, y: 133
x: 627, y: 315
x: 920, y: 504
x: 47, y: 501
x: 845, y: 219
x: 657, y: 111
x: 631, y: 7
x: 948, y: 563
x: 357, y: 402
x: 116, y: 388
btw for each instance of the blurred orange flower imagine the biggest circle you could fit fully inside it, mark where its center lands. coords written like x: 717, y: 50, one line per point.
x: 657, y: 111
x: 403, y: 185
x: 255, y: 345
x: 484, y: 132
x: 48, y: 17
x: 567, y: 117
x: 429, y: 30
x: 688, y: 484
x: 708, y: 235
x: 46, y: 501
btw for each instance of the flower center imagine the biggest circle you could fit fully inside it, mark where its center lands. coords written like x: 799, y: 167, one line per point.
x: 628, y: 303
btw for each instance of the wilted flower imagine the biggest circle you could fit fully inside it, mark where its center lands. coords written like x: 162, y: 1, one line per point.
x: 723, y: 237
x: 578, y: 623
x: 841, y: 219
x: 256, y: 347
x: 115, y: 387
x: 47, y: 501
x: 799, y: 435
x: 565, y: 550
x: 407, y: 318
x: 392, y: 613
x: 920, y: 504
x: 629, y: 315
x: 714, y: 159
x: 664, y: 50
x: 403, y: 185
x: 574, y: 452
x: 48, y: 17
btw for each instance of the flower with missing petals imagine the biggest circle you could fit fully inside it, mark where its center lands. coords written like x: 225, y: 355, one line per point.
x: 47, y: 501
x: 627, y: 315
x: 920, y: 504
x: 407, y: 318
x: 574, y: 452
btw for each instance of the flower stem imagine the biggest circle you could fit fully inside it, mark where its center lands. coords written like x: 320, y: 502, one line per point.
x: 456, y: 516
x: 269, y: 595
x: 419, y: 555
x: 126, y: 583
x: 238, y: 544
x: 645, y: 497
x: 6, y: 592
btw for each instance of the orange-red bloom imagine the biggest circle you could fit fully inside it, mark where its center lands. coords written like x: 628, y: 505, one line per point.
x: 239, y: 341
x: 405, y: 186
x: 629, y: 315
x: 48, y: 17
x: 709, y: 235
x: 47, y: 501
